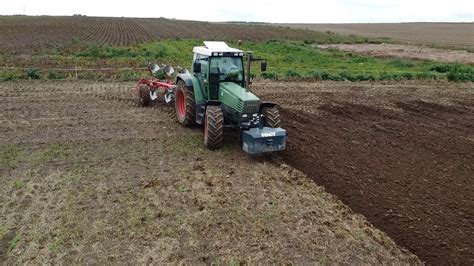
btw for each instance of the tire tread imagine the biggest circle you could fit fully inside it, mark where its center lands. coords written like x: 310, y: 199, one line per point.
x: 272, y: 117
x: 215, y: 127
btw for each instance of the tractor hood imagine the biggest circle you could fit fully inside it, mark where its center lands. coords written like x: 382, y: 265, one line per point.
x: 238, y: 98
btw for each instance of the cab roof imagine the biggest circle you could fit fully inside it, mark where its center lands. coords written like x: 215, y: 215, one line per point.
x: 213, y: 47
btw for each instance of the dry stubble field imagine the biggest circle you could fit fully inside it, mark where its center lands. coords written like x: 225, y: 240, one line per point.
x: 459, y: 35
x: 405, y: 51
x: 91, y: 178
x: 88, y: 177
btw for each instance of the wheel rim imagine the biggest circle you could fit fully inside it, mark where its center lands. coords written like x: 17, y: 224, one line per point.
x: 181, y: 104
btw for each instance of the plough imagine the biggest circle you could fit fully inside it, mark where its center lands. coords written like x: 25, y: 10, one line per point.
x: 147, y: 89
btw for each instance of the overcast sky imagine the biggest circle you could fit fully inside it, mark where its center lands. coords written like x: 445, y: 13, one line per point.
x: 327, y: 11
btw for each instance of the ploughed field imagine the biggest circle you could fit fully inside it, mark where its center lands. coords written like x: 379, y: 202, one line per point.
x: 402, y: 154
x: 37, y: 35
x: 90, y: 178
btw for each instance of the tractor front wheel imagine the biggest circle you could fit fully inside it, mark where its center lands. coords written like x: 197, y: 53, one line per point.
x: 213, y: 127
x: 272, y: 117
x: 184, y: 104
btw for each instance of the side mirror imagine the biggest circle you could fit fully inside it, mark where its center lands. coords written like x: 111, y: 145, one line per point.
x: 263, y: 66
x: 197, y: 67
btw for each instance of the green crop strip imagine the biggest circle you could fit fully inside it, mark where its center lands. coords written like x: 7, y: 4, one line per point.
x: 286, y: 60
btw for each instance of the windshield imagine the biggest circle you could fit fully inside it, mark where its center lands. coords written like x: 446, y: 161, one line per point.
x: 228, y: 68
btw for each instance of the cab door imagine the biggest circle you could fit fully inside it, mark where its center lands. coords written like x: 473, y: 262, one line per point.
x: 203, y: 76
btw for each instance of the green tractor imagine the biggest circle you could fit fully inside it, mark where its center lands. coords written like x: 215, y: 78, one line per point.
x: 216, y: 95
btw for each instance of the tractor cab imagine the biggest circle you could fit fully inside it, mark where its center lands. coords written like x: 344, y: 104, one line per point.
x: 215, y: 63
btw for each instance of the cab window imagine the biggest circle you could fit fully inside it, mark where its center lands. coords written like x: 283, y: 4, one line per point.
x: 229, y: 68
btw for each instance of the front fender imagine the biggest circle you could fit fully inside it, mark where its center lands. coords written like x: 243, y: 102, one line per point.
x: 267, y: 104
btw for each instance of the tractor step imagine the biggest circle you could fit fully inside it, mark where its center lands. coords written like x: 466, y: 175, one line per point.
x: 262, y: 140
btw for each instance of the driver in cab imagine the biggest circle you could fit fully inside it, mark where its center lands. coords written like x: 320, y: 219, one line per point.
x: 227, y: 66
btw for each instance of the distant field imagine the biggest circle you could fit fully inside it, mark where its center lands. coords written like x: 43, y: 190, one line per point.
x: 387, y: 50
x: 56, y: 45
x: 46, y: 34
x: 459, y: 35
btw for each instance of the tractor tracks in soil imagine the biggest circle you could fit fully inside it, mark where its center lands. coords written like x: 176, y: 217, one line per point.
x: 75, y: 112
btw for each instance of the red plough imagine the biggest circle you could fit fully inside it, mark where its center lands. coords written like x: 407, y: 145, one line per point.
x: 147, y: 89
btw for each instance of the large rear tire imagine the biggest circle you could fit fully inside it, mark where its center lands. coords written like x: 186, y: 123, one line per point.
x: 213, y: 127
x: 272, y: 117
x: 185, y: 105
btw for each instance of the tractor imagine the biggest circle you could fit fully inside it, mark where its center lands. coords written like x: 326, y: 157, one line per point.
x: 216, y: 95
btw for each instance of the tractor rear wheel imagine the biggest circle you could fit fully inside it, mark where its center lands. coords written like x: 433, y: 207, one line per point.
x: 145, y: 99
x: 213, y: 127
x: 272, y: 117
x: 184, y: 104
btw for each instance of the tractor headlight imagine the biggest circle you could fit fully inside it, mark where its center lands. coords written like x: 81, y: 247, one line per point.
x: 244, y: 115
x: 255, y: 115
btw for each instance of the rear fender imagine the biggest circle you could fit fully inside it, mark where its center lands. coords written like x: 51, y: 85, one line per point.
x: 187, y: 78
x: 192, y: 83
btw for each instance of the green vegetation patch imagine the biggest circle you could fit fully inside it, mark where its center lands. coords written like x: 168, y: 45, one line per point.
x: 14, y: 242
x: 287, y: 60
x: 456, y: 72
x: 290, y: 60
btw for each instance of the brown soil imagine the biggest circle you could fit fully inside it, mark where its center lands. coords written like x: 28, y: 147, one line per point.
x: 460, y: 35
x: 77, y: 158
x: 87, y: 177
x: 44, y: 34
x: 405, y: 51
x: 401, y: 154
